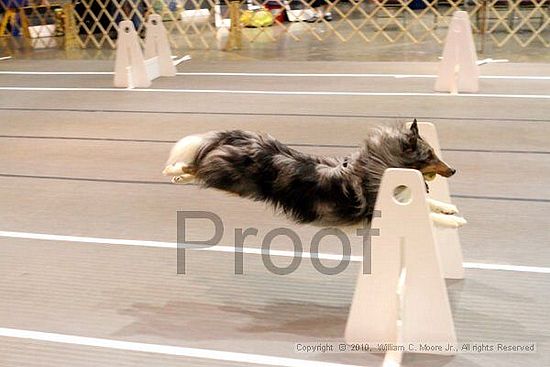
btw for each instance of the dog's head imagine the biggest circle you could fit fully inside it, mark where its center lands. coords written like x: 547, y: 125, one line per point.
x: 418, y: 154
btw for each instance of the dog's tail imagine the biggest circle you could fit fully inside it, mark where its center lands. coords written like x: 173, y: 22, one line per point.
x: 183, y: 155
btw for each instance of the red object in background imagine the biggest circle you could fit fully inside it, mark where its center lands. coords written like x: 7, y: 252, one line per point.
x: 277, y: 9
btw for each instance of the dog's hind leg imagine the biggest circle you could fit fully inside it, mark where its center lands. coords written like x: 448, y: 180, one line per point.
x: 182, y: 157
x: 181, y: 173
x: 183, y: 179
x: 441, y: 207
x: 174, y: 169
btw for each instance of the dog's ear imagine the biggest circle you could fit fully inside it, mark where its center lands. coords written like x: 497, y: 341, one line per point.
x: 414, y: 128
x: 409, y: 143
x: 412, y: 143
x: 411, y: 140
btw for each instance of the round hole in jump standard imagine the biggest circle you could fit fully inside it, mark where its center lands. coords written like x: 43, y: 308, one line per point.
x: 402, y: 195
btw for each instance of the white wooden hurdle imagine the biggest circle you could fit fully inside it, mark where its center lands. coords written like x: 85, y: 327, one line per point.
x: 458, y: 69
x: 134, y: 68
x: 404, y: 298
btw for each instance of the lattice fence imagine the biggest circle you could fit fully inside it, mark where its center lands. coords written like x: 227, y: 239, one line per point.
x: 198, y: 23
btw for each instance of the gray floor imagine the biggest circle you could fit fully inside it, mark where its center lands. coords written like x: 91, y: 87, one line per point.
x: 87, y: 163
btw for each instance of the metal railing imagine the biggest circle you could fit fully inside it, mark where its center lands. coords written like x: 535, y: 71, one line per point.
x: 199, y: 23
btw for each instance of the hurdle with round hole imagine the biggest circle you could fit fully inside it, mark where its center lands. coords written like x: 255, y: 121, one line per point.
x: 400, y: 296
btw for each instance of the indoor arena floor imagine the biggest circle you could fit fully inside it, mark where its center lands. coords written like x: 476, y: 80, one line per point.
x: 79, y: 158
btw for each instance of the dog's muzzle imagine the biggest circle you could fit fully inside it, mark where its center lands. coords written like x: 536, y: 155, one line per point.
x: 449, y: 172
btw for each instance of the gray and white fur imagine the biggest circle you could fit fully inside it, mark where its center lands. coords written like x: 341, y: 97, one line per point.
x: 307, y: 188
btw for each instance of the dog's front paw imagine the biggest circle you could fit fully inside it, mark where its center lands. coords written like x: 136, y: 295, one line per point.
x: 445, y: 220
x: 441, y: 207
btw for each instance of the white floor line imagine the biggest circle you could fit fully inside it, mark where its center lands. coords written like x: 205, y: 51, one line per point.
x: 9, y: 72
x: 246, y: 250
x: 285, y: 75
x: 519, y: 268
x: 171, y: 245
x: 217, y: 355
x: 270, y: 92
x: 362, y: 75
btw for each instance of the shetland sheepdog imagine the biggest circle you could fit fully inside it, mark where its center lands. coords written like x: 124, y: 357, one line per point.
x: 308, y: 188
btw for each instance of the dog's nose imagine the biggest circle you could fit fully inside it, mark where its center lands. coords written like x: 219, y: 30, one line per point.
x: 453, y: 171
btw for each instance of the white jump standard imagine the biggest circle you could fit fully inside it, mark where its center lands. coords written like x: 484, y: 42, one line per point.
x: 458, y: 69
x: 136, y: 69
x: 402, y: 299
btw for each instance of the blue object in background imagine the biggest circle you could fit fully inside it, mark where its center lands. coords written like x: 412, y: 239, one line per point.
x: 15, y: 4
x: 172, y: 5
x: 417, y: 4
